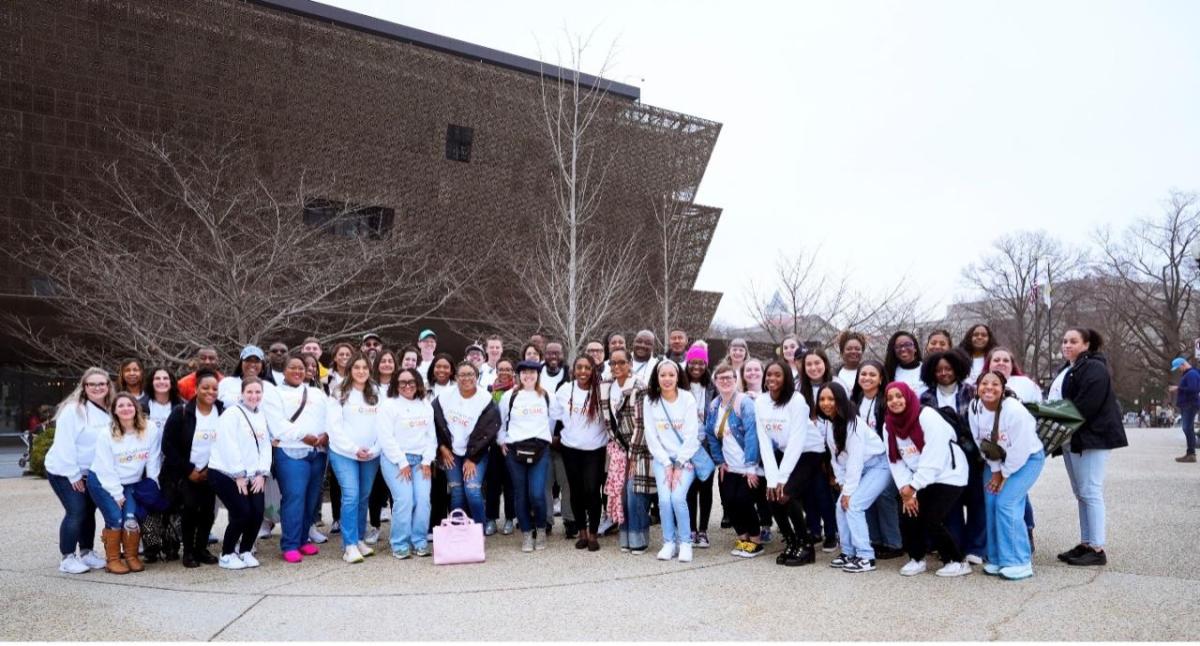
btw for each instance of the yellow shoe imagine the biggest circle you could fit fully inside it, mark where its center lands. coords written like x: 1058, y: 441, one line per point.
x: 739, y: 548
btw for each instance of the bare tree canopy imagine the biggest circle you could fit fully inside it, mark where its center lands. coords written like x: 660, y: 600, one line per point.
x: 182, y: 247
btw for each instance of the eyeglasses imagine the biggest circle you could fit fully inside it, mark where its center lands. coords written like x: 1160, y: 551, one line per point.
x: 618, y: 362
x: 725, y: 377
x: 405, y: 383
x: 504, y: 371
x: 905, y: 345
x: 278, y: 351
x: 97, y: 384
x: 466, y: 375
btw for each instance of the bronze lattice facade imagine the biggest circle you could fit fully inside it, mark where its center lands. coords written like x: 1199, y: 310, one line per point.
x: 442, y: 136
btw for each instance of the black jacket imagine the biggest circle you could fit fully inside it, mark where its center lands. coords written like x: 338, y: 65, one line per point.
x: 487, y: 427
x: 1088, y: 385
x: 177, y: 441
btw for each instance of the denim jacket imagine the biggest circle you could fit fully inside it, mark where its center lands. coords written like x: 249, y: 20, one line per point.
x: 741, y: 424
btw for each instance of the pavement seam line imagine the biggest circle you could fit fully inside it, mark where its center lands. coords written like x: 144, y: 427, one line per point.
x: 235, y: 619
x: 995, y: 628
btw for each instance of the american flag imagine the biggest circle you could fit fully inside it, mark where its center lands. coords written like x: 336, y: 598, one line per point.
x: 1033, y: 292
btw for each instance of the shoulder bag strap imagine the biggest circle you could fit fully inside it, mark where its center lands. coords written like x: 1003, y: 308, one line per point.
x: 303, y: 402
x: 251, y: 424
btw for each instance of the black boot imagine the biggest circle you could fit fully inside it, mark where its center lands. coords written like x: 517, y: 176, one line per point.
x: 804, y: 555
x: 789, y: 548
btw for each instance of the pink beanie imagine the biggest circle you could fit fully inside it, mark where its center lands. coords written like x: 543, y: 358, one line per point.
x: 696, y: 352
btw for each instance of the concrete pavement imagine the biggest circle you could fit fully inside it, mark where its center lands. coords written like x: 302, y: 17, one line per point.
x: 1148, y: 591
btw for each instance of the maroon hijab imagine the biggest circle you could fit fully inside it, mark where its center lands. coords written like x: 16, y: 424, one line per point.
x: 907, y: 425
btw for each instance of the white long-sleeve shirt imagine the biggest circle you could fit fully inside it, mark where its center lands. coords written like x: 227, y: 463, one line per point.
x: 862, y: 444
x: 530, y: 417
x: 1025, y: 389
x: 866, y: 410
x: 243, y: 444
x: 312, y: 420
x: 75, y: 431
x: 229, y: 391
x: 203, y: 438
x: 158, y: 413
x: 912, y: 377
x: 846, y: 377
x: 663, y: 442
x: 461, y: 415
x: 1017, y: 434
x: 578, y: 431
x: 406, y: 426
x: 940, y: 462
x: 353, y: 425
x: 122, y: 462
x: 780, y: 428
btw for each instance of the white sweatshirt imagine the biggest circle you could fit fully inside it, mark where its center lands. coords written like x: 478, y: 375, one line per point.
x: 406, y: 426
x: 733, y: 452
x: 866, y: 410
x: 158, y: 413
x: 862, y: 444
x: 243, y: 444
x: 976, y: 369
x: 312, y: 420
x: 531, y: 417
x: 578, y: 431
x: 912, y: 377
x: 202, y: 440
x: 75, y: 433
x: 437, y: 390
x: 123, y: 461
x: 780, y: 428
x: 229, y: 391
x: 353, y: 425
x: 935, y: 464
x: 1025, y: 389
x: 1056, y: 386
x: 550, y: 383
x: 847, y: 377
x: 1018, y: 433
x: 642, y: 370
x: 461, y: 416
x: 663, y: 442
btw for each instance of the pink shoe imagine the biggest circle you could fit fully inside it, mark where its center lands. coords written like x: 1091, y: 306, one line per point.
x: 309, y: 549
x: 292, y: 556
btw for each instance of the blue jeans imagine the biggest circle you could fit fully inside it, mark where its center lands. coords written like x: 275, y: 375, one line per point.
x: 114, y: 514
x: 529, y: 489
x: 300, y: 483
x: 971, y: 535
x: 410, y: 503
x: 1189, y: 428
x: 1086, y: 471
x: 635, y: 530
x: 467, y: 494
x: 355, y: 478
x: 78, y: 526
x: 883, y: 518
x: 672, y: 505
x: 1007, y: 535
x: 852, y: 523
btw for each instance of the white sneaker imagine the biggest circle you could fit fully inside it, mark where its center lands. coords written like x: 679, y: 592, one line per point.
x: 667, y: 552
x: 352, y: 555
x: 558, y: 506
x: 265, y: 530
x: 685, y: 552
x: 316, y: 536
x: 248, y: 559
x: 974, y: 559
x: 913, y: 568
x: 372, y: 536
x: 93, y: 560
x: 231, y: 562
x: 385, y: 515
x: 72, y: 564
x: 364, y: 549
x: 955, y: 568
x: 606, y: 524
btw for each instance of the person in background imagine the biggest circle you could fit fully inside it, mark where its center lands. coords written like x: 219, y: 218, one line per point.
x: 427, y: 342
x: 677, y: 346
x: 976, y: 344
x: 370, y: 346
x: 1187, y: 398
x: 612, y: 343
x: 498, y: 481
x: 1002, y: 360
x: 467, y: 423
x: 736, y: 355
x: 187, y: 442
x: 851, y: 346
x: 732, y: 437
x: 277, y: 356
x: 206, y: 359
x: 410, y: 357
x: 494, y: 347
x: 644, y: 360
x: 339, y: 366
x: 750, y: 377
x: 383, y: 370
x: 237, y: 470
x: 902, y: 361
x: 474, y: 355
x: 789, y: 351
x: 595, y: 350
x: 938, y: 340
x: 409, y: 442
x: 131, y: 376
x: 312, y: 371
x: 161, y: 399
x: 312, y: 347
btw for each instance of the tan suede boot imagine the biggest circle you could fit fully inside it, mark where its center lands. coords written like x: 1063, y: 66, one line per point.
x: 130, y: 540
x: 112, y: 551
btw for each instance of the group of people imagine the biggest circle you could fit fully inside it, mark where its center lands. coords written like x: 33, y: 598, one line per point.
x: 929, y: 450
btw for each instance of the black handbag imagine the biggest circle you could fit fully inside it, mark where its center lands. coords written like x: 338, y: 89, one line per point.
x: 990, y: 447
x: 531, y: 450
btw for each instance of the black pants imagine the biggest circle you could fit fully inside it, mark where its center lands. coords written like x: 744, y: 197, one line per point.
x: 818, y: 503
x: 700, y: 499
x: 934, y: 502
x: 763, y: 507
x: 439, y: 498
x: 196, y: 500
x: 381, y: 497
x: 245, y: 513
x: 740, y: 497
x: 789, y: 514
x: 585, y: 477
x: 497, y: 482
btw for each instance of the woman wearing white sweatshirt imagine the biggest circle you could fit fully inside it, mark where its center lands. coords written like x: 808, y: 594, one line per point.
x: 1007, y: 435
x: 229, y: 391
x: 673, y: 437
x: 299, y: 466
x: 584, y: 439
x: 527, y: 414
x: 237, y: 471
x: 861, y: 470
x: 785, y: 435
x: 81, y: 418
x: 409, y: 442
x: 931, y: 473
x: 353, y: 427
x: 126, y: 455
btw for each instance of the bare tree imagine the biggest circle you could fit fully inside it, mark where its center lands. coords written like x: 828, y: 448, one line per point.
x: 185, y: 246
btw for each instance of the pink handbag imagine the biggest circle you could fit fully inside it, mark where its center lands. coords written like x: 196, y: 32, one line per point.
x: 458, y: 540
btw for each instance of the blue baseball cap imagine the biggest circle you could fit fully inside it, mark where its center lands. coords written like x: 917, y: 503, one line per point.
x: 1177, y: 363
x: 251, y: 351
x: 425, y: 334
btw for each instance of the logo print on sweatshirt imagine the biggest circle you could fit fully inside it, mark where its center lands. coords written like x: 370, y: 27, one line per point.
x: 532, y: 410
x: 205, y: 436
x: 773, y: 426
x: 129, y: 457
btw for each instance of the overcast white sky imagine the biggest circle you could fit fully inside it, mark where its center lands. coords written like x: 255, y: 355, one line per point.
x: 904, y: 136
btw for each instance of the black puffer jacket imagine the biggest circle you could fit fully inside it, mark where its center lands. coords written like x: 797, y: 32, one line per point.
x: 1088, y: 385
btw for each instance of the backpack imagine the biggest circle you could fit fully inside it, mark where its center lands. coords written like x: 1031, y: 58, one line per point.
x: 962, y: 433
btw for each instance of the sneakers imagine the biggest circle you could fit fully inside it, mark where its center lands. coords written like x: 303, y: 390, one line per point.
x: 840, y: 561
x: 667, y: 552
x: 336, y: 527
x: 372, y: 537
x: 1017, y: 572
x: 991, y: 569
x: 856, y: 565
x: 701, y: 540
x: 751, y: 549
x: 638, y: 551
x: 212, y: 538
x: 231, y: 562
x: 974, y: 559
x: 93, y: 560
x: 265, y: 530
x: 508, y: 528
x: 1090, y: 557
x: 685, y: 552
x: 955, y: 568
x: 293, y: 556
x: 385, y: 514
x: 1078, y: 550
x: 539, y: 541
x: 352, y: 555
x: 72, y: 564
x: 309, y: 549
x: 422, y: 551
x: 402, y: 554
x: 606, y: 524
x: 913, y: 568
x: 830, y: 544
x: 765, y: 535
x: 738, y: 547
x: 489, y: 528
x: 558, y: 506
x: 364, y: 549
x: 526, y: 541
x: 248, y: 559
x: 316, y: 536
x: 1190, y: 457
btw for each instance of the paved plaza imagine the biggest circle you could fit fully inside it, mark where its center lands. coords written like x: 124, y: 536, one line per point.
x: 1148, y: 591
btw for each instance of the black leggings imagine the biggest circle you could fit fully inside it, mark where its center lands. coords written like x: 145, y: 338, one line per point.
x: 195, y: 515
x: 381, y: 496
x: 498, y: 482
x: 740, y: 497
x: 585, y: 477
x: 933, y: 504
x: 790, y: 514
x: 701, y: 495
x: 245, y: 513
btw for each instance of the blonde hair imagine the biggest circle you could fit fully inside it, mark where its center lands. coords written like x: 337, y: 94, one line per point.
x: 139, y: 420
x: 79, y: 398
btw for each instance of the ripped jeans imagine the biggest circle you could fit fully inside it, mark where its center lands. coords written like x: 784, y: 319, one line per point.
x: 468, y: 490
